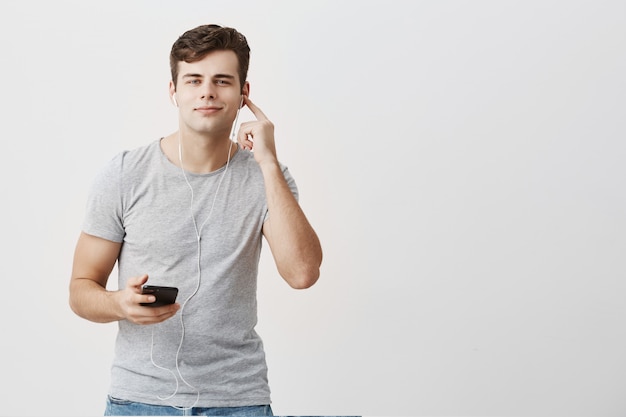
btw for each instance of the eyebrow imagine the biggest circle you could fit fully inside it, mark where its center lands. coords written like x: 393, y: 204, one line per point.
x: 191, y: 75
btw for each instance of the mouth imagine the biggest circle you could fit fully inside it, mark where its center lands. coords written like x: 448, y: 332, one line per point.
x: 206, y: 110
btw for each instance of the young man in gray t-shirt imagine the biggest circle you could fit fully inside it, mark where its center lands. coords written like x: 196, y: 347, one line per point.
x: 189, y: 211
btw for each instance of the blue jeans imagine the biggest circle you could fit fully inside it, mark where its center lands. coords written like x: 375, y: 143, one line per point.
x: 117, y: 407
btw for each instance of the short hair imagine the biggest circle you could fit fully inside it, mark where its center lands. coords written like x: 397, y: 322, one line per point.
x: 195, y: 44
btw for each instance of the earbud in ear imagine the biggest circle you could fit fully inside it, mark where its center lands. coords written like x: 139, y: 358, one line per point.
x: 174, y: 99
x: 241, y: 103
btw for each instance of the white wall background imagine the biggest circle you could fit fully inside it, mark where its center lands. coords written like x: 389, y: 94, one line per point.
x: 462, y: 161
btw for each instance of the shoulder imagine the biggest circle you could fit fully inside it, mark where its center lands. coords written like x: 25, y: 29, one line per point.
x: 132, y: 159
x: 126, y: 164
x: 246, y: 158
x: 140, y: 155
x: 251, y: 174
x: 244, y: 161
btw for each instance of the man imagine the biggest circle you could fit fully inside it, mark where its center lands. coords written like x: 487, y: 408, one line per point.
x: 189, y: 211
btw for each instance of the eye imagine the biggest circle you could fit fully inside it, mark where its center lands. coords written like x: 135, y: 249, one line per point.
x: 222, y: 82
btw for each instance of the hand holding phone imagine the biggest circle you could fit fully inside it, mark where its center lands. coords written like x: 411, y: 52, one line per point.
x: 164, y: 295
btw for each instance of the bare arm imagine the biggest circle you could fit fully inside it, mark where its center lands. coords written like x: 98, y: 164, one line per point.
x: 94, y: 259
x: 293, y: 242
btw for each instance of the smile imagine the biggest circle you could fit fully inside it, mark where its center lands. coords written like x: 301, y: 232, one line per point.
x: 207, y: 110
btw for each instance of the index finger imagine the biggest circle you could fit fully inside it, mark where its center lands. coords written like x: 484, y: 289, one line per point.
x: 254, y: 109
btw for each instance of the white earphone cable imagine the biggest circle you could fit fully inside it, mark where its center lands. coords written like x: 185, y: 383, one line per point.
x: 198, y: 232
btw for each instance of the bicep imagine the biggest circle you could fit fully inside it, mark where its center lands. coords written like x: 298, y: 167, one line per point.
x: 94, y: 258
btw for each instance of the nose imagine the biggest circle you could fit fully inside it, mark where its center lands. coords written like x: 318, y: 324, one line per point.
x: 209, y: 92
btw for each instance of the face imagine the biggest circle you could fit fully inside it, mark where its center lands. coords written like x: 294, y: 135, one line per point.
x: 208, y: 93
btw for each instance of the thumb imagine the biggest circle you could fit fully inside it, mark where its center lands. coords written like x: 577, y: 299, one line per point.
x: 137, y: 282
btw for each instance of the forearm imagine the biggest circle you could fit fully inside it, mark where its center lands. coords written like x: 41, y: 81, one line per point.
x: 295, y: 245
x: 91, y: 301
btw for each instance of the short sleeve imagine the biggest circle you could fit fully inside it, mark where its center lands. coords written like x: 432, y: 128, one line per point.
x: 104, y: 211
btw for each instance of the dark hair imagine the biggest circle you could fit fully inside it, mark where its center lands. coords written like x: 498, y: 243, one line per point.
x: 195, y: 44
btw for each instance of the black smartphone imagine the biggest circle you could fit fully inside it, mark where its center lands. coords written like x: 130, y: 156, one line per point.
x: 164, y: 295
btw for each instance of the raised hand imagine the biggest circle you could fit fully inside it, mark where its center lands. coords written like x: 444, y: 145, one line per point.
x: 258, y: 135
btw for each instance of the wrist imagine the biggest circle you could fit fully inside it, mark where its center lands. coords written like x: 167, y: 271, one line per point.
x: 116, y: 299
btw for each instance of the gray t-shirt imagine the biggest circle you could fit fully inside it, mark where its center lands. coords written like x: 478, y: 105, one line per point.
x: 141, y: 199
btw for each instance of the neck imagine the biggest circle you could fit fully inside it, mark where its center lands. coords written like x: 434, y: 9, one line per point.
x: 201, y: 156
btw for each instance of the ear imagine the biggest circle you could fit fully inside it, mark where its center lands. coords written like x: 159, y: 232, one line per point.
x: 246, y: 89
x: 172, y: 92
